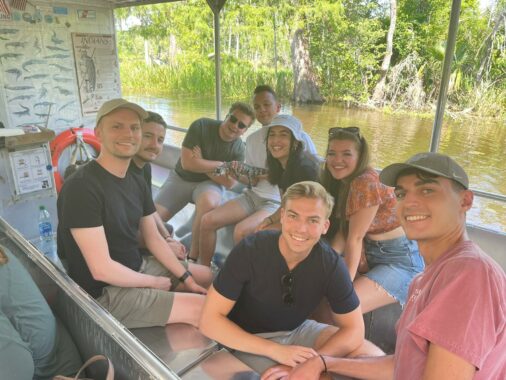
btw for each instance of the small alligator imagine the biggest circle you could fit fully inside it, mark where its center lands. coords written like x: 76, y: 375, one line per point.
x: 240, y: 168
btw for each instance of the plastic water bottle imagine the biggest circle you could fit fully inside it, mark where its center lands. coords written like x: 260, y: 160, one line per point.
x: 45, y: 232
x: 45, y: 226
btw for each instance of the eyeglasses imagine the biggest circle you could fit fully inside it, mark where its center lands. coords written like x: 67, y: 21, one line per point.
x: 233, y: 119
x: 353, y: 130
x: 287, y: 282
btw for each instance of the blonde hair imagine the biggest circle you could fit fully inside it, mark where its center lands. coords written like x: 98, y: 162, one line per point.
x: 309, y: 189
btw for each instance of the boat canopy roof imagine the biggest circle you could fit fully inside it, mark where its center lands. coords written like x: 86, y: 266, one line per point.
x: 214, y: 4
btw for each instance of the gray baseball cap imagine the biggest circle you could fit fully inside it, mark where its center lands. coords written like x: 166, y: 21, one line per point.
x: 434, y: 163
x: 290, y: 122
x: 114, y: 104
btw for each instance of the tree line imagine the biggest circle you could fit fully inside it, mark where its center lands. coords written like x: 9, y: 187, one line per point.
x: 378, y: 53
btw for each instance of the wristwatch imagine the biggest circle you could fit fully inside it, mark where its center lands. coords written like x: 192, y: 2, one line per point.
x: 185, y: 276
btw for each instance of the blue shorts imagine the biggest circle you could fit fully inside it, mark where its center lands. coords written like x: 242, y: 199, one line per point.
x: 393, y: 264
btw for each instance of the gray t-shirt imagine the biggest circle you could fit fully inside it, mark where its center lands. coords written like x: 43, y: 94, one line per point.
x: 205, y: 134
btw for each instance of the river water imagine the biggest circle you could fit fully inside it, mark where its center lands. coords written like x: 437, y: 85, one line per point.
x: 478, y: 145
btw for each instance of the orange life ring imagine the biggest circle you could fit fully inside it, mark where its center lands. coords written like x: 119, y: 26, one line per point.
x: 64, y: 140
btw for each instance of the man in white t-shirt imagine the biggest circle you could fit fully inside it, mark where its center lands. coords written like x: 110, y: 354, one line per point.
x: 255, y: 204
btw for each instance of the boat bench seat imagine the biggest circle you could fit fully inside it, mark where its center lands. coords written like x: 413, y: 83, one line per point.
x: 191, y: 355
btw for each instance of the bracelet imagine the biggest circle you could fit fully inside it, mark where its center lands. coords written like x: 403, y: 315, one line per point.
x: 324, y: 363
x: 184, y: 276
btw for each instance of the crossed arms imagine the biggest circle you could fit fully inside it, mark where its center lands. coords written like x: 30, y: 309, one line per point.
x: 192, y: 160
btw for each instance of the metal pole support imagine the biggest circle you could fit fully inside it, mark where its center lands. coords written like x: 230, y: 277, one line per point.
x: 445, y: 77
x: 216, y: 6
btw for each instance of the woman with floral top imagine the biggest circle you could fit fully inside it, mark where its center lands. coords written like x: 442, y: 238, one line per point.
x: 365, y: 222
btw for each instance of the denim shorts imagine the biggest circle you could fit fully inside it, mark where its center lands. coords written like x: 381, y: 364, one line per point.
x: 393, y: 264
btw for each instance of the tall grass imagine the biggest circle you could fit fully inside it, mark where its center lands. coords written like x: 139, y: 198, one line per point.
x: 195, y: 76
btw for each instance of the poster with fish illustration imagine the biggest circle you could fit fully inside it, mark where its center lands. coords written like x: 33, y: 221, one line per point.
x: 39, y: 77
x: 97, y: 69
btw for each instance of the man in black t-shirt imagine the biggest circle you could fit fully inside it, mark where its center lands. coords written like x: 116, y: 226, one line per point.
x: 271, y: 282
x: 153, y: 136
x: 207, y: 145
x: 101, y: 209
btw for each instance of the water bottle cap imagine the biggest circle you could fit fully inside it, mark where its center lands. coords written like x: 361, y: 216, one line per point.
x: 42, y: 207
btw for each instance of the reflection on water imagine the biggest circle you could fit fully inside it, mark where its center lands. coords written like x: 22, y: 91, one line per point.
x: 479, y: 146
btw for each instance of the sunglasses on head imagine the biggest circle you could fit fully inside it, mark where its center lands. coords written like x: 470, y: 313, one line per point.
x: 234, y: 120
x: 287, y: 282
x: 353, y: 130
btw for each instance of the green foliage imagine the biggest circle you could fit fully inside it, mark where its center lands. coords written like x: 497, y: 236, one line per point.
x: 346, y: 41
x: 197, y: 78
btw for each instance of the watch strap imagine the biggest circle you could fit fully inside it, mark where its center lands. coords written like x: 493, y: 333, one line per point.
x: 184, y: 276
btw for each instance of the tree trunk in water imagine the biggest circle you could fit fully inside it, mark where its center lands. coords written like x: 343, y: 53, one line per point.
x: 305, y: 88
x: 379, y: 90
x: 489, y: 42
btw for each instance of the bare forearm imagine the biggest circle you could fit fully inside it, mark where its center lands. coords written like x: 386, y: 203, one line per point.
x: 368, y: 368
x: 160, y: 225
x: 200, y: 165
x: 116, y: 274
x: 226, y: 332
x: 352, y: 251
x: 275, y: 217
x: 161, y: 251
x: 344, y: 341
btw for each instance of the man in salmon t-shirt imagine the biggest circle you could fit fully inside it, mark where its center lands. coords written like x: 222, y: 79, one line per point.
x: 454, y: 323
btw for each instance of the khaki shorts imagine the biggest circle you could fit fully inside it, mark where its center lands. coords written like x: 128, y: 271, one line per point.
x: 304, y: 335
x: 252, y: 203
x: 176, y: 193
x: 141, y: 307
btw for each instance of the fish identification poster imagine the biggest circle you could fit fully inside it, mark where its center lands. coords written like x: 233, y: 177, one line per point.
x: 97, y: 70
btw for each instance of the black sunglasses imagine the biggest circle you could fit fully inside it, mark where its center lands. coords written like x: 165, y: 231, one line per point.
x: 235, y: 120
x: 287, y: 282
x: 353, y: 130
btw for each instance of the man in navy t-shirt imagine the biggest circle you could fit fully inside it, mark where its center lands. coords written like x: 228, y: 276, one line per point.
x: 272, y: 281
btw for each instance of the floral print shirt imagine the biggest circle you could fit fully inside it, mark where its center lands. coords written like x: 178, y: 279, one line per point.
x: 365, y: 191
